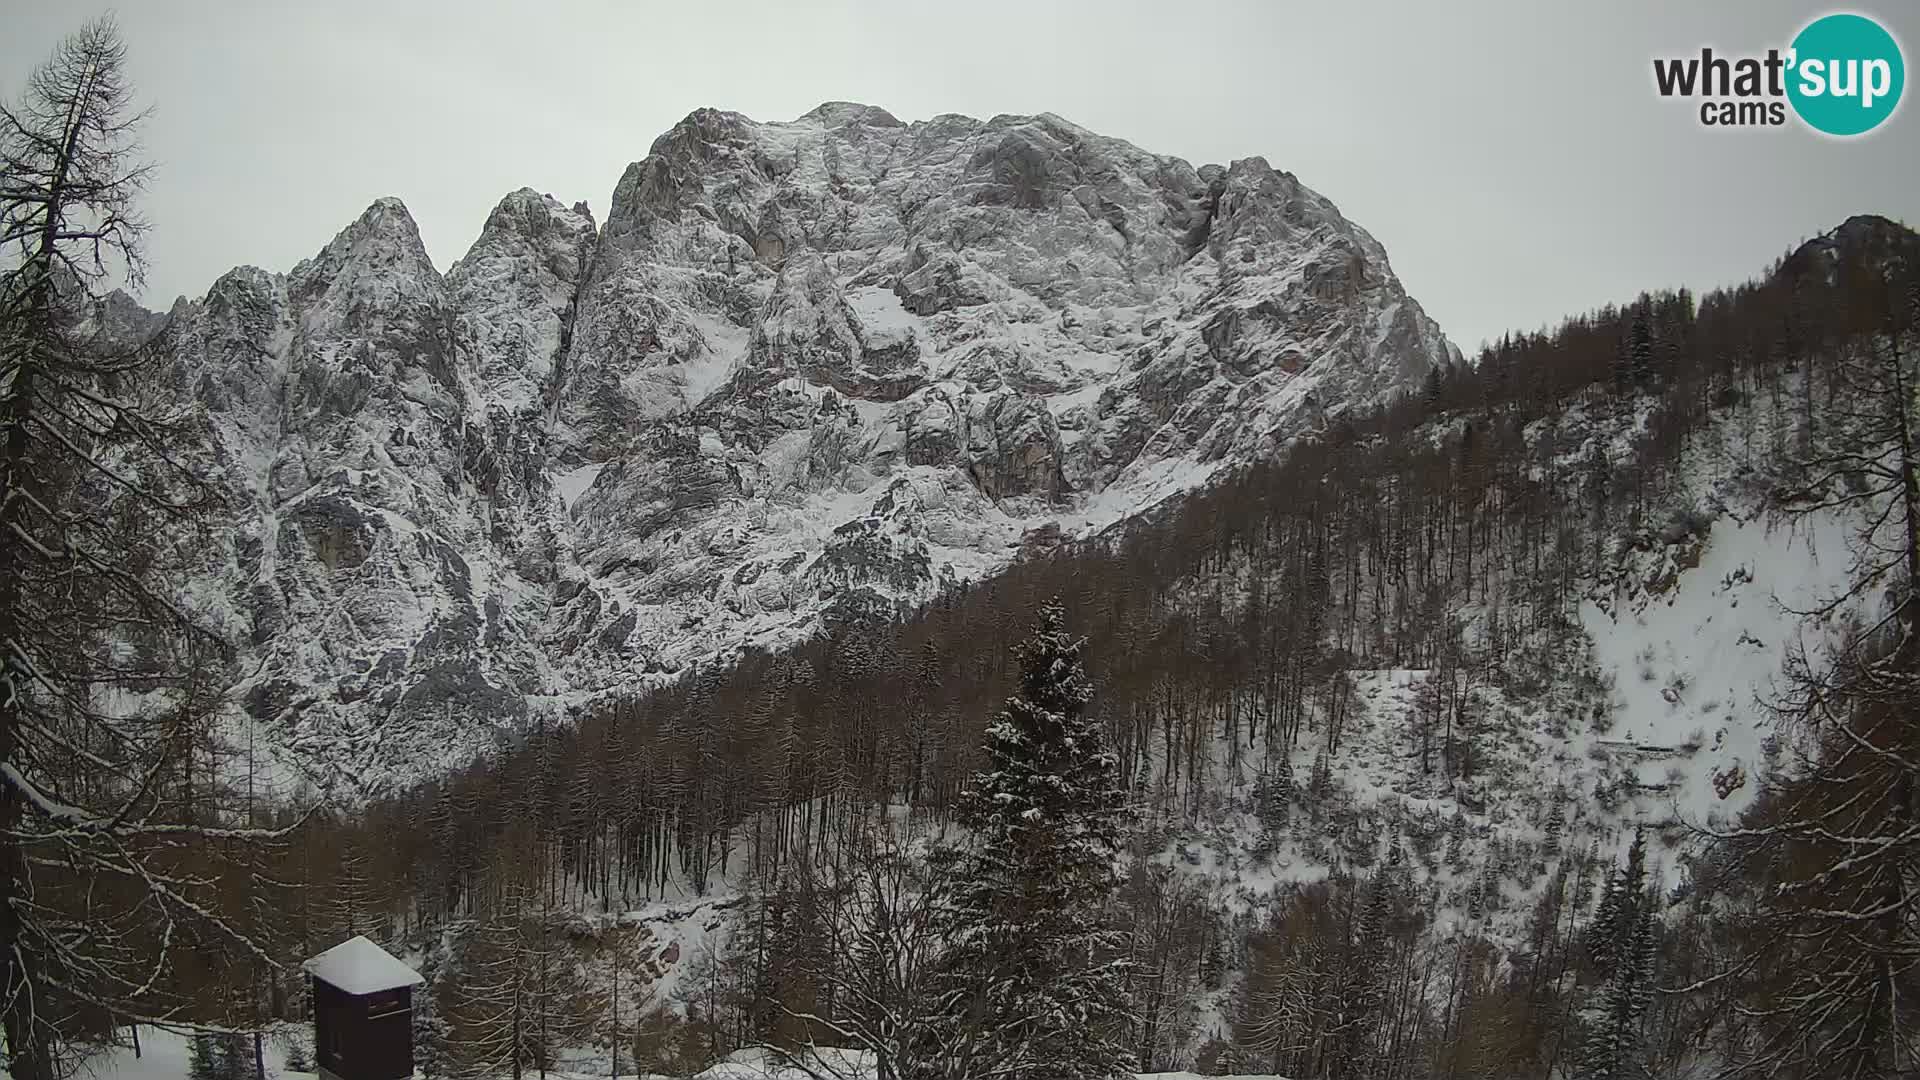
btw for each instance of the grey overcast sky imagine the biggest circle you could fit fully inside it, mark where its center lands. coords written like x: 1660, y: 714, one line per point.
x: 1513, y: 157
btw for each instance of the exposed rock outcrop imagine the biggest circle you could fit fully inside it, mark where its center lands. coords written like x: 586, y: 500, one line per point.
x: 805, y: 370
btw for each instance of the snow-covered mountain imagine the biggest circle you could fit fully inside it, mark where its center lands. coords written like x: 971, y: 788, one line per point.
x: 804, y: 369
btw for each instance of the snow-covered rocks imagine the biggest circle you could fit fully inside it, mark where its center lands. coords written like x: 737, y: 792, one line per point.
x: 512, y: 297
x: 805, y: 368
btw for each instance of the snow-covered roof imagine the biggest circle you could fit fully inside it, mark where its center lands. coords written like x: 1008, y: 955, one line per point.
x: 358, y: 966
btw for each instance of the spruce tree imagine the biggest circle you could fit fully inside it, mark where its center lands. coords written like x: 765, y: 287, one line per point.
x: 1319, y: 784
x: 1034, y: 982
x: 1456, y: 841
x: 1362, y: 989
x: 1640, y: 349
x: 1623, y: 949
x: 1620, y: 905
x: 202, y: 1058
x: 219, y: 1056
x: 430, y: 1028
x: 300, y: 1053
x: 1273, y: 793
x: 233, y: 1056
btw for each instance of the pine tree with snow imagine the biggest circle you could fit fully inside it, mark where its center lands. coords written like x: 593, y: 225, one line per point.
x: 1273, y: 793
x: 1623, y: 946
x: 1543, y: 928
x: 233, y: 1056
x: 1319, y: 785
x: 1213, y: 960
x: 1398, y: 877
x: 1614, y: 1045
x: 299, y: 1051
x: 1602, y: 932
x: 1556, y: 824
x: 1615, y: 920
x: 430, y: 1028
x: 1456, y: 841
x: 219, y: 1056
x: 1034, y: 981
x: 1362, y: 990
x: 202, y: 1056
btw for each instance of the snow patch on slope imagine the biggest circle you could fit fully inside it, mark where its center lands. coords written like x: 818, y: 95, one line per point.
x: 573, y: 483
x: 884, y: 320
x: 1696, y: 658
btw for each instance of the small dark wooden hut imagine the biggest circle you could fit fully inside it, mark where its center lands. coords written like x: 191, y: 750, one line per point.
x: 362, y: 1012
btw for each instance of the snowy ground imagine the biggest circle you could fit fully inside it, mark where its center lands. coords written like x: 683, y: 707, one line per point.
x: 164, y: 1057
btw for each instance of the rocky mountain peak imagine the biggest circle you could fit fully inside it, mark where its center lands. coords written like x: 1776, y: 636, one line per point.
x: 1864, y: 239
x: 383, y: 244
x: 531, y: 216
x: 832, y: 114
x: 806, y: 370
x: 512, y: 296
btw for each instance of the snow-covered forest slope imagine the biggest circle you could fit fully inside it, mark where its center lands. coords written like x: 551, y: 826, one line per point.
x: 1391, y: 704
x: 1387, y: 697
x: 951, y: 601
x: 636, y: 572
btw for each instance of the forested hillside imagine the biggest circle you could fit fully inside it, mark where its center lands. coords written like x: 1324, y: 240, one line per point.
x: 1555, y: 719
x: 1383, y: 810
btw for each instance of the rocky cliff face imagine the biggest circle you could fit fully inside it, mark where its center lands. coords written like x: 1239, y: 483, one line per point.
x: 805, y: 368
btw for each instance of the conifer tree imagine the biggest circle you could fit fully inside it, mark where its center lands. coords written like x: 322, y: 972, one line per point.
x: 1319, y: 784
x: 1623, y: 946
x: 1363, y: 987
x: 1033, y: 983
x: 1640, y: 359
x: 219, y: 1056
x: 1620, y: 904
x: 1273, y: 793
x: 1456, y: 840
x: 202, y: 1056
x: 233, y: 1056
x: 430, y: 1028
x: 299, y: 1057
x: 1433, y: 390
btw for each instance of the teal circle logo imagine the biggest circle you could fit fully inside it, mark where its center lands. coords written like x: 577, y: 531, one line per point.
x: 1846, y: 74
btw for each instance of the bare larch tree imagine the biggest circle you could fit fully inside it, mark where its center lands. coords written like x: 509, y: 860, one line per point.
x: 107, y: 869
